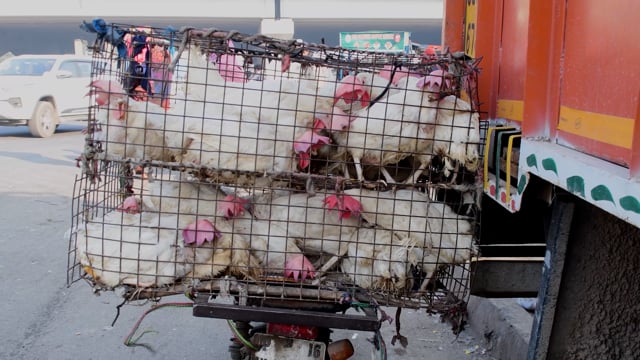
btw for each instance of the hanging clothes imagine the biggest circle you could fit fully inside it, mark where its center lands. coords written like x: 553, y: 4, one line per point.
x: 138, y: 68
x: 160, y: 77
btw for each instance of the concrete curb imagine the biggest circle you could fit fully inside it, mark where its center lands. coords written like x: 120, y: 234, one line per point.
x: 504, y: 324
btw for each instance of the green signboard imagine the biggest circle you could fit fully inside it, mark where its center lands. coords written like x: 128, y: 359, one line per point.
x: 381, y: 41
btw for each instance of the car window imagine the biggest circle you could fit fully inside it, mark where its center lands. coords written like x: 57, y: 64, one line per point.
x: 29, y: 67
x: 71, y: 67
x: 77, y: 68
x: 85, y: 68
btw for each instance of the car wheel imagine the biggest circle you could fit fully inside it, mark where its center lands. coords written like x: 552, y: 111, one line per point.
x: 44, y: 120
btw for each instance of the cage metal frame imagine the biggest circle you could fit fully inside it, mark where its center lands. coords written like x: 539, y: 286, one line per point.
x: 107, y: 180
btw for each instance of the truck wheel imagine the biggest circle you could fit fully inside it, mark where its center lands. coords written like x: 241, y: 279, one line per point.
x: 44, y: 120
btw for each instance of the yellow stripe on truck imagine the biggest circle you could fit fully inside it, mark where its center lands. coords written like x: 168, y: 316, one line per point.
x: 510, y: 109
x: 605, y: 128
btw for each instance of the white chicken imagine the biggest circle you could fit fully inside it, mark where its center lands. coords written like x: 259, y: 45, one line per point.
x: 177, y: 194
x: 455, y: 136
x: 407, y: 123
x: 356, y: 92
x: 249, y: 126
x: 248, y: 145
x: 231, y: 255
x: 139, y: 129
x: 386, y: 133
x: 169, y: 233
x: 378, y: 259
x: 144, y: 250
x: 273, y: 247
x: 441, y: 236
x: 317, y: 228
x: 264, y: 99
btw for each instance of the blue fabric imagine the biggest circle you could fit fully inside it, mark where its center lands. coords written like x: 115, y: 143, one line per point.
x: 170, y: 32
x: 114, y: 37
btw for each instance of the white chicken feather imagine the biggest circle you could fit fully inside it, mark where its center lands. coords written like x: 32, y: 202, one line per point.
x: 456, y: 136
x: 143, y: 249
x: 380, y: 260
x: 231, y: 253
x: 317, y: 229
x: 441, y: 236
x: 142, y: 130
x: 269, y: 242
x: 409, y: 122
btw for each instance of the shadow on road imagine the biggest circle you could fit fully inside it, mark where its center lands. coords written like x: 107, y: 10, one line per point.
x: 38, y: 158
x: 23, y: 131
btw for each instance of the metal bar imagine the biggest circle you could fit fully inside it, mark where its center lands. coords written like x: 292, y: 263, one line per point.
x: 276, y: 14
x: 508, y: 167
x: 498, y: 155
x: 487, y: 150
x: 506, y: 277
x: 557, y: 239
x: 286, y: 316
x: 513, y: 250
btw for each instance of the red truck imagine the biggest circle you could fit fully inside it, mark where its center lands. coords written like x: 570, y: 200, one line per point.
x: 559, y: 87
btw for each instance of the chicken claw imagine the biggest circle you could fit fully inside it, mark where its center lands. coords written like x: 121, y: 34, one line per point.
x: 384, y: 316
x: 298, y: 266
x: 286, y: 63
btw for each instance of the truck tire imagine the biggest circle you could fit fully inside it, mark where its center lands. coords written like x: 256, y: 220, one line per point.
x: 44, y: 120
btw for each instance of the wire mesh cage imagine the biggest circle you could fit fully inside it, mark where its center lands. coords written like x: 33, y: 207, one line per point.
x: 217, y: 161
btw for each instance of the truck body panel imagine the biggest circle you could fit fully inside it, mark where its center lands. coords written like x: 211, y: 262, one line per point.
x: 560, y: 90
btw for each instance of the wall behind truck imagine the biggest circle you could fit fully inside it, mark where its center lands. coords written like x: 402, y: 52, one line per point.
x: 598, y: 311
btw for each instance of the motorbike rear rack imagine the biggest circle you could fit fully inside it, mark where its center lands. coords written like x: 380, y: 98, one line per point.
x: 290, y: 312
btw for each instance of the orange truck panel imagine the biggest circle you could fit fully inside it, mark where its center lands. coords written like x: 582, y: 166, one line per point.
x: 565, y: 74
x: 513, y: 60
x: 600, y: 80
x: 565, y: 69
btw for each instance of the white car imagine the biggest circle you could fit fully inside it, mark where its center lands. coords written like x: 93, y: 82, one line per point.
x: 43, y: 91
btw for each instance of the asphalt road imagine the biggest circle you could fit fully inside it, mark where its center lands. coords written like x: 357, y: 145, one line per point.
x: 42, y: 318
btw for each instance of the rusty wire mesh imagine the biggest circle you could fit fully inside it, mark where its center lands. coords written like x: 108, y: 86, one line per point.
x: 223, y: 162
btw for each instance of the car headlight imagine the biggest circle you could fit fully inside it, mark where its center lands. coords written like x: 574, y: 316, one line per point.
x: 15, y: 101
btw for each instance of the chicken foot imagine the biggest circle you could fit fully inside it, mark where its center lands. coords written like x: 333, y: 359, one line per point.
x: 328, y: 265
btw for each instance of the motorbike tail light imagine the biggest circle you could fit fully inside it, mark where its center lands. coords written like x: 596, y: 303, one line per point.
x: 293, y: 331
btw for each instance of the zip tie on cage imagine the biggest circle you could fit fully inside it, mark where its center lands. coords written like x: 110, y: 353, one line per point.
x: 130, y: 340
